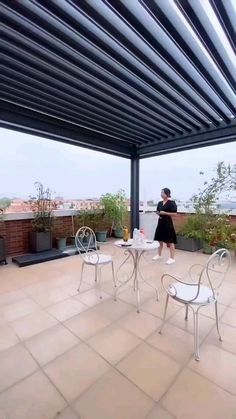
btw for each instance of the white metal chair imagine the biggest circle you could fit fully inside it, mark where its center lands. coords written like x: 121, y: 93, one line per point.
x: 87, y: 246
x: 200, y: 290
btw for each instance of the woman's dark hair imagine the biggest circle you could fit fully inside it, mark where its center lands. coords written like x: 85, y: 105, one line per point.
x: 167, y: 191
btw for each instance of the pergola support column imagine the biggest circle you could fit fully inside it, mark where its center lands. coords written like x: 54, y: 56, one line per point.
x: 134, y: 193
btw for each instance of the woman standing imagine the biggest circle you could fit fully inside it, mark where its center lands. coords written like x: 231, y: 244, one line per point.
x: 165, y: 232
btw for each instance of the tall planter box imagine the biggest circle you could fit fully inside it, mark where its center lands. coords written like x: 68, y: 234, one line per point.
x: 40, y: 242
x: 188, y: 244
x: 3, y: 251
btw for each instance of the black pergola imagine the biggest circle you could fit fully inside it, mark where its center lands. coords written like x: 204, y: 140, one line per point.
x: 133, y: 78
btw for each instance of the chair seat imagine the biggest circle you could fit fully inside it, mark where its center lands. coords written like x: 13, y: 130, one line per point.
x: 98, y: 259
x: 182, y: 292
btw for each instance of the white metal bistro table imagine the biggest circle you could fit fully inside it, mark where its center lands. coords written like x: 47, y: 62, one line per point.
x: 135, y: 252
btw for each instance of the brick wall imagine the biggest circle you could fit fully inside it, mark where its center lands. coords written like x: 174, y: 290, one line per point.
x: 180, y: 219
x: 182, y: 216
x: 16, y: 232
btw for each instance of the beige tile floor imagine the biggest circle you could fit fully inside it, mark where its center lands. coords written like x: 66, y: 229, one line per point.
x: 74, y: 356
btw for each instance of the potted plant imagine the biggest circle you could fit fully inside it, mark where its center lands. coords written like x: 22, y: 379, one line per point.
x: 42, y: 206
x: 223, y: 230
x: 189, y: 237
x: 232, y: 239
x: 209, y: 238
x: 101, y: 233
x: 2, y: 241
x: 215, y: 227
x: 116, y: 211
x: 93, y: 219
x: 61, y: 240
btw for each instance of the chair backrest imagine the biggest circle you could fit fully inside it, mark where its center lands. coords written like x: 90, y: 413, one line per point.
x: 211, y: 274
x: 86, y: 244
x: 217, y: 267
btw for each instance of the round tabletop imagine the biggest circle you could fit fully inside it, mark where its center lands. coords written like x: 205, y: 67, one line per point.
x: 146, y: 245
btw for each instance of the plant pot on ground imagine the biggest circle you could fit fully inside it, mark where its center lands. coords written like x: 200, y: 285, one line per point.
x: 98, y: 224
x: 71, y: 240
x: 188, y: 243
x: 61, y: 238
x: 42, y: 206
x: 116, y: 211
x: 40, y: 241
x: 101, y: 236
x: 61, y: 242
x: 93, y: 219
x: 118, y: 233
x: 190, y: 235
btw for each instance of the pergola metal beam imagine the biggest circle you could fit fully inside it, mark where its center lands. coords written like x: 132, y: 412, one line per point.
x: 28, y: 121
x: 223, y: 134
x: 145, y: 73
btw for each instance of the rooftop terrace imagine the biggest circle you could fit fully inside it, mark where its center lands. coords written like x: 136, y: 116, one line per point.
x: 69, y: 356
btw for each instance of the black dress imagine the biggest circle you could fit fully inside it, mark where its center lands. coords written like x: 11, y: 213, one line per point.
x: 165, y: 231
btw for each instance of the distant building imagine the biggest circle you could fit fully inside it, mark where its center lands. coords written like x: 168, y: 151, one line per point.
x: 18, y: 205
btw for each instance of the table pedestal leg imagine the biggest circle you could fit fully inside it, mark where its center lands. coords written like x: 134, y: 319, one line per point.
x: 144, y: 280
x: 136, y: 275
x: 129, y: 254
x: 136, y: 279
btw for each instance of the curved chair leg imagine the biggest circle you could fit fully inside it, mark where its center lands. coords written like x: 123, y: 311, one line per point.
x: 217, y: 321
x: 81, y: 277
x: 96, y: 273
x: 196, y: 342
x: 113, y: 274
x: 165, y: 311
x: 186, y: 312
x: 138, y: 295
x: 99, y: 278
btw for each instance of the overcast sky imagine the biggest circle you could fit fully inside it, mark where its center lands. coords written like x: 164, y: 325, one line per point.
x: 74, y: 172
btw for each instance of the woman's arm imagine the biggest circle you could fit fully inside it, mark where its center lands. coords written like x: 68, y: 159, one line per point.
x: 170, y: 214
x: 172, y: 209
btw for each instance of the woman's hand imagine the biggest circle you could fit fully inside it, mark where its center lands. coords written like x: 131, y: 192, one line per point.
x: 162, y: 213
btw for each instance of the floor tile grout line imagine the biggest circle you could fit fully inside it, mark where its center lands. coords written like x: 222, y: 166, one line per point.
x: 59, y: 321
x: 45, y: 308
x: 56, y: 357
x: 212, y: 382
x: 111, y: 366
x: 62, y: 321
x: 22, y: 340
x: 43, y: 372
x: 186, y: 366
x: 114, y: 366
x: 158, y: 404
x: 39, y: 369
x: 139, y: 338
x: 12, y: 302
x: 72, y: 402
x: 120, y: 372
